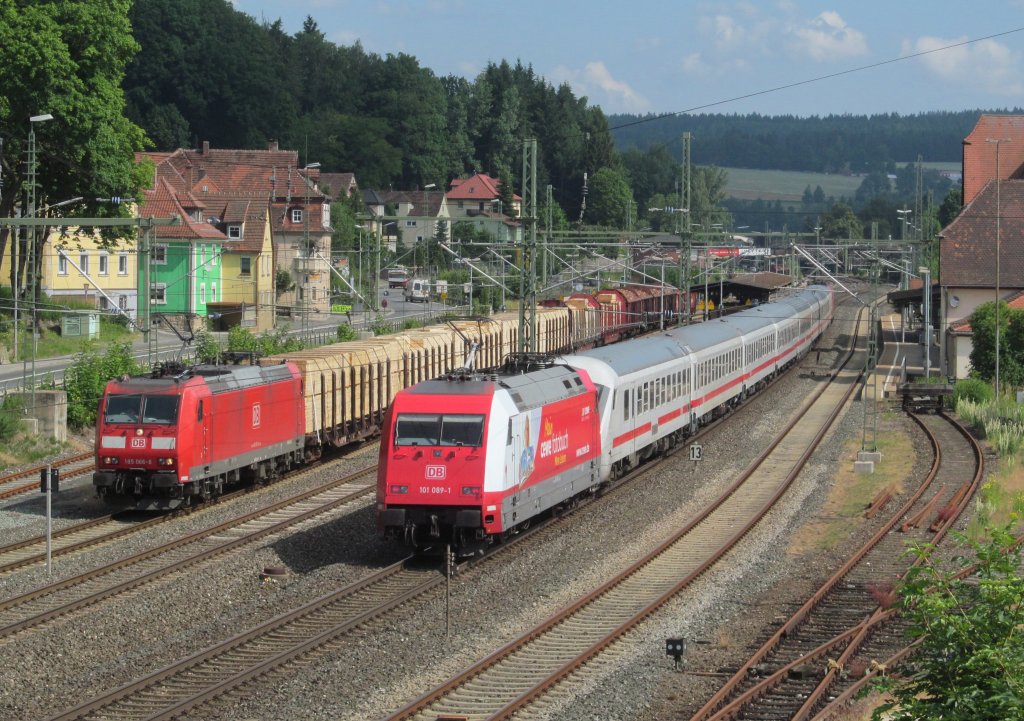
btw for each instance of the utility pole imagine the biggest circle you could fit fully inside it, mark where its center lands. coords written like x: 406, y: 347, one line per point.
x: 684, y: 203
x: 528, y: 277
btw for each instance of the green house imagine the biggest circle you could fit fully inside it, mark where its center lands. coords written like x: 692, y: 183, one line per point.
x: 183, y: 275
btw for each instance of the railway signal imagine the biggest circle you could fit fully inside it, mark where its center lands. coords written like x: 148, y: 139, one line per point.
x: 49, y: 480
x: 675, y: 648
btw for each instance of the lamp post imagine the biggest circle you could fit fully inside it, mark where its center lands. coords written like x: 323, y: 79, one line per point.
x: 997, y: 142
x: 32, y: 165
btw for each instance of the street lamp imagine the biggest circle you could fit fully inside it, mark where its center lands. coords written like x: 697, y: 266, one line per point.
x: 997, y: 143
x: 32, y: 166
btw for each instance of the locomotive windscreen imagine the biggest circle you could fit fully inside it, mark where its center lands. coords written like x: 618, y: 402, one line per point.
x: 161, y: 410
x: 434, y: 429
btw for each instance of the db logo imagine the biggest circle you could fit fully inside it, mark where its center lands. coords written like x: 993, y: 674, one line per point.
x: 435, y: 473
x: 138, y: 442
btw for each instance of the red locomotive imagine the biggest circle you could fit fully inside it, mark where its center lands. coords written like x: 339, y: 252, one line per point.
x: 503, y: 449
x: 179, y: 435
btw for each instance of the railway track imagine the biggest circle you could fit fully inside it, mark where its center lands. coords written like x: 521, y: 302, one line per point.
x: 95, y: 531
x: 228, y: 667
x: 515, y: 680
x: 110, y: 527
x: 16, y: 483
x: 35, y: 608
x: 845, y: 632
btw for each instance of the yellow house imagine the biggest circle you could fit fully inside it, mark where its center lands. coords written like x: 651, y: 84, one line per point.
x: 78, y: 267
x: 247, y: 261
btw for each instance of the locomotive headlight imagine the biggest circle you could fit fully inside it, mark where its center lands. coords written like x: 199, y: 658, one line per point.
x: 138, y: 431
x: 399, y: 489
x: 110, y: 460
x: 165, y: 461
x: 471, y: 491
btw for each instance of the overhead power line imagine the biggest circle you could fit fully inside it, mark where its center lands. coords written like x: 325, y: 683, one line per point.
x: 817, y: 79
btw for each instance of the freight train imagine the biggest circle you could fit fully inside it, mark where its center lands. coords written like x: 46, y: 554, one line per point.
x: 184, y: 434
x: 472, y: 458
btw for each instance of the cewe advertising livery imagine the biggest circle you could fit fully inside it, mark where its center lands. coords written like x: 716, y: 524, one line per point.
x: 470, y: 459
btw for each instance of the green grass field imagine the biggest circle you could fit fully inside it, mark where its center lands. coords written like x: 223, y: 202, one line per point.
x: 788, y: 185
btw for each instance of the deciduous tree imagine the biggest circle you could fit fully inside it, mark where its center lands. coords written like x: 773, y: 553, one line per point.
x: 969, y: 665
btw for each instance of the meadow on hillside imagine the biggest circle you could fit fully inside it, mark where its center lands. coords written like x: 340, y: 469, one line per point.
x: 788, y: 185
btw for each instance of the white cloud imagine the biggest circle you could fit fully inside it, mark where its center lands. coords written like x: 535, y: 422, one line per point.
x: 693, y: 64
x: 987, y: 65
x: 596, y: 82
x: 827, y: 37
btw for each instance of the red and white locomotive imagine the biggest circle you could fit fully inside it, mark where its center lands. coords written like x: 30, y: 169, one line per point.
x: 172, y: 437
x: 475, y: 457
x: 541, y: 438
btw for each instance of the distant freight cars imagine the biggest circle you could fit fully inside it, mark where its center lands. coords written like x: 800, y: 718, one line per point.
x: 472, y: 459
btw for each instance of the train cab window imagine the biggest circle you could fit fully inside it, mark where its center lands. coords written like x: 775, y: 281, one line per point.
x: 462, y: 430
x: 431, y: 429
x: 417, y: 429
x: 199, y: 411
x: 122, y: 409
x: 161, y: 410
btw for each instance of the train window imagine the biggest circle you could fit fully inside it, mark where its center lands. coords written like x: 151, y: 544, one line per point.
x: 462, y: 430
x: 625, y: 405
x: 122, y: 409
x: 199, y: 411
x: 162, y: 410
x: 417, y: 429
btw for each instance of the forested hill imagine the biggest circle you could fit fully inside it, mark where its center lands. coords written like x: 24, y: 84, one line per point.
x: 829, y: 144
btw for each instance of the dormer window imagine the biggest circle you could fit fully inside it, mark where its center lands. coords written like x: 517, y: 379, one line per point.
x: 234, y: 231
x: 197, y: 215
x: 296, y: 215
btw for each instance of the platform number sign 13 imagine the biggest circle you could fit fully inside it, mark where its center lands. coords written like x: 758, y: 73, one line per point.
x: 696, y: 452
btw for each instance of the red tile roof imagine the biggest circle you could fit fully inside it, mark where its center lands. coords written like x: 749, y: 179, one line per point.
x: 478, y: 187
x: 979, y: 155
x: 968, y: 246
x: 232, y: 186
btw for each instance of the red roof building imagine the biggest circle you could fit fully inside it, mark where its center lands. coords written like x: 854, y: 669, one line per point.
x: 988, y: 233
x: 979, y: 152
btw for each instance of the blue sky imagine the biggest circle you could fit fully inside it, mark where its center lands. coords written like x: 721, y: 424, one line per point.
x: 645, y: 56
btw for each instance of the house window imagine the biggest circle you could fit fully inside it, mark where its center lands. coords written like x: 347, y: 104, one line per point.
x: 202, y: 255
x: 62, y: 264
x: 410, y: 224
x: 213, y: 292
x: 202, y: 293
x: 234, y: 231
x: 122, y: 264
x: 296, y: 215
x: 245, y: 265
x: 122, y: 302
x: 462, y: 205
x: 104, y: 261
x: 158, y: 293
x: 83, y: 262
x: 159, y: 255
